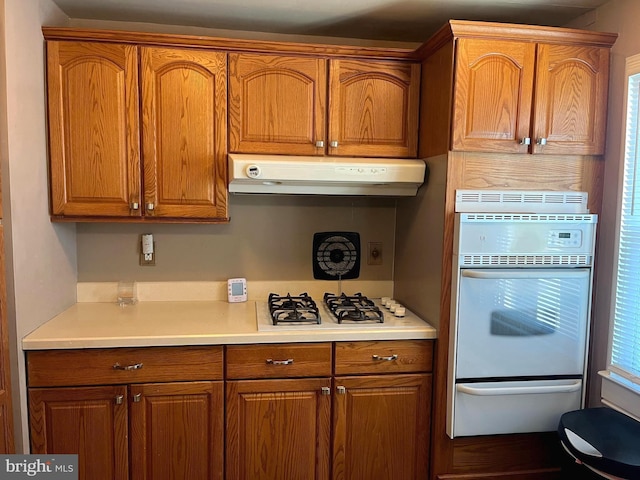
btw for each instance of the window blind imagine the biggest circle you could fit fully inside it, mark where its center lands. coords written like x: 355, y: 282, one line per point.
x: 624, y: 348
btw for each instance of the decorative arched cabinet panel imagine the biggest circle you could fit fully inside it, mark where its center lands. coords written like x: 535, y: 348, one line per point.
x: 282, y: 105
x: 184, y: 99
x: 570, y: 105
x: 373, y: 108
x: 137, y: 138
x: 494, y: 81
x: 519, y: 97
x: 93, y: 128
x: 277, y: 104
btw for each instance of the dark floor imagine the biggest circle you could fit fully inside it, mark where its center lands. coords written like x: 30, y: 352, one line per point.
x: 573, y: 471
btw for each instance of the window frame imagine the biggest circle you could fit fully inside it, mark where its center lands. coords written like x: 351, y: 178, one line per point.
x: 616, y: 391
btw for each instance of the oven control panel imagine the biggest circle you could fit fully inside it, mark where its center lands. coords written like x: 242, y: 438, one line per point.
x: 565, y: 238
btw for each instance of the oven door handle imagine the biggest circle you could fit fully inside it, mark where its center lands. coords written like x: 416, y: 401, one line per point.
x: 493, y: 391
x: 525, y: 274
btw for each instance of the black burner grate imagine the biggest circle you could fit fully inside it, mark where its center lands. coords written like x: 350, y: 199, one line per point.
x: 290, y: 309
x: 354, y: 308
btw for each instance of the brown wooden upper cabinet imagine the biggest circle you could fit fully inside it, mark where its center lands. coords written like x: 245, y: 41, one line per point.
x: 314, y: 106
x: 99, y: 146
x: 519, y: 97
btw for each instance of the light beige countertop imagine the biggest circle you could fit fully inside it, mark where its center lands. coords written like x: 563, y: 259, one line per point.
x: 105, y: 324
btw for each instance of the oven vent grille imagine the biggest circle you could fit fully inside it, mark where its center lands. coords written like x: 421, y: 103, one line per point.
x: 521, y: 201
x: 470, y: 260
x: 527, y: 217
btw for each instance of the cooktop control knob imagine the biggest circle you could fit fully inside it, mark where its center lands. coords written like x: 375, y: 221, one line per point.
x: 253, y: 171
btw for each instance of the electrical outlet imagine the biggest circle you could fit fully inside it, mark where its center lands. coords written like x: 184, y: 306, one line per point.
x: 374, y: 256
x: 147, y: 250
x: 148, y: 259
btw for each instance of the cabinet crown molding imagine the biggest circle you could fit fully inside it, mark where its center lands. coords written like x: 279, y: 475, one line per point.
x: 455, y: 29
x: 225, y: 44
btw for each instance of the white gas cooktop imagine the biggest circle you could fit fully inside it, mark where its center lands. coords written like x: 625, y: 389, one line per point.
x: 329, y: 321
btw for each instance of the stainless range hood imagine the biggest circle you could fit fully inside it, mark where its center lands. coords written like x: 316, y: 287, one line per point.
x: 324, y: 175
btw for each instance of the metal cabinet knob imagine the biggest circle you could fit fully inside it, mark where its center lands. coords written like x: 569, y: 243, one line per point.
x: 325, y: 391
x: 341, y: 389
x: 525, y: 141
x: 135, y: 206
x: 119, y: 399
x: 150, y: 206
x: 541, y: 141
x: 320, y: 144
x: 137, y: 398
x: 334, y: 144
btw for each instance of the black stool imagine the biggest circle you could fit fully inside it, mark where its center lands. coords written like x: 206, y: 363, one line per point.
x: 604, y: 440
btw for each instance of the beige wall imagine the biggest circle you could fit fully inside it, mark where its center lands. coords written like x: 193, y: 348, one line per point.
x: 41, y: 257
x: 419, y: 244
x: 268, y: 238
x: 616, y: 16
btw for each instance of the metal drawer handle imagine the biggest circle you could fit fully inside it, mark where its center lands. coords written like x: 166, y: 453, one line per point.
x: 135, y: 366
x: 271, y: 361
x: 119, y: 399
x: 390, y: 358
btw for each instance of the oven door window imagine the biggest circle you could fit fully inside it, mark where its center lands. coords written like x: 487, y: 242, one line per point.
x: 521, y: 322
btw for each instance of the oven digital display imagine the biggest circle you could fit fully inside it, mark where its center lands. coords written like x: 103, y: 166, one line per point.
x: 565, y: 238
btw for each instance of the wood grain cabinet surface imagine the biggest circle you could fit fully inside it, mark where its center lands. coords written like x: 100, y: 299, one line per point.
x: 173, y: 430
x: 519, y: 97
x: 94, y: 146
x: 99, y: 166
x: 379, y: 419
x: 278, y: 427
x: 346, y: 410
x: 381, y: 422
x: 319, y: 106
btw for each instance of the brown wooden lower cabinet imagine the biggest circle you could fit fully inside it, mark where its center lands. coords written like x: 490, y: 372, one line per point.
x: 278, y: 429
x: 381, y: 427
x: 175, y: 433
x: 321, y: 411
x: 89, y: 421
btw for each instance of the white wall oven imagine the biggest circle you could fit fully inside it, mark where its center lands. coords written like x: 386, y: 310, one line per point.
x: 520, y: 320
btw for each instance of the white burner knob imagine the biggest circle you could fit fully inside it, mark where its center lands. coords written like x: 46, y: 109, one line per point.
x: 400, y: 311
x: 389, y: 302
x: 384, y: 300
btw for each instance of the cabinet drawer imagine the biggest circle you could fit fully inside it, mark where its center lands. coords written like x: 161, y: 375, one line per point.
x: 384, y: 357
x: 279, y: 361
x: 47, y: 368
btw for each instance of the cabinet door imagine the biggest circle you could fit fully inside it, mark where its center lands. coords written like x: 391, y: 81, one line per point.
x: 277, y: 104
x: 571, y: 99
x: 373, y: 108
x: 278, y: 429
x: 93, y: 129
x: 492, y: 95
x: 184, y: 115
x: 177, y: 431
x: 89, y: 421
x: 381, y: 427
